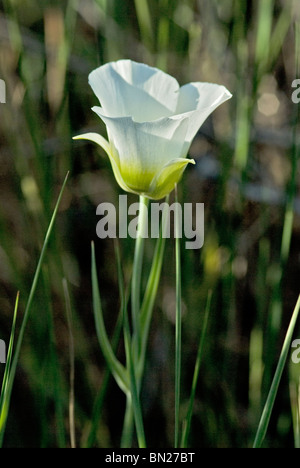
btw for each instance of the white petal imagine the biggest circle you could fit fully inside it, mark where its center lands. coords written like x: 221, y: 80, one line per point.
x: 199, y: 100
x: 99, y: 140
x: 165, y: 180
x: 127, y: 88
x: 145, y: 147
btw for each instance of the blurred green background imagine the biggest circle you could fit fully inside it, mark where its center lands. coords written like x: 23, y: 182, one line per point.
x: 246, y: 174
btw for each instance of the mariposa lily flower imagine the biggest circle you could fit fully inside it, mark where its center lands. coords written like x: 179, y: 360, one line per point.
x: 151, y: 122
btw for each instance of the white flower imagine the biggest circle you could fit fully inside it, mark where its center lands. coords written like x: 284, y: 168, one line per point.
x: 150, y: 122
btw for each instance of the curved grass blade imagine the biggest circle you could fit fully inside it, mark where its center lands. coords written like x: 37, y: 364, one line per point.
x: 144, y: 19
x: 99, y: 402
x: 117, y: 369
x: 15, y: 358
x: 133, y: 395
x: 4, y: 398
x: 266, y: 415
x: 187, y: 422
x: 72, y: 364
x: 98, y: 406
x: 152, y: 287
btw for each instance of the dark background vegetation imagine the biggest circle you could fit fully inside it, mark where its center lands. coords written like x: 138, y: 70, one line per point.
x: 246, y: 174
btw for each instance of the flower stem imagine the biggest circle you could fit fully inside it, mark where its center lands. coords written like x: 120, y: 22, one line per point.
x: 152, y: 288
x: 178, y: 328
x: 128, y: 424
x: 137, y: 273
x: 134, y: 394
x: 133, y: 405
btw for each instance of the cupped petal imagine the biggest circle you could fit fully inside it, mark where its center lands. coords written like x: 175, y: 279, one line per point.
x: 113, y: 157
x: 145, y: 148
x: 126, y: 88
x: 198, y: 101
x: 164, y: 181
x: 161, y: 184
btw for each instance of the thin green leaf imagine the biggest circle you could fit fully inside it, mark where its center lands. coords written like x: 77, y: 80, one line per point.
x: 145, y: 22
x: 4, y: 398
x: 187, y: 422
x: 152, y: 288
x: 15, y: 359
x: 133, y: 397
x: 98, y: 406
x: 117, y: 369
x: 266, y: 415
x: 99, y: 402
x: 72, y: 364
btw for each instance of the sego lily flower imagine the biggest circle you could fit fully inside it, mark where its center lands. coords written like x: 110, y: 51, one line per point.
x: 150, y: 122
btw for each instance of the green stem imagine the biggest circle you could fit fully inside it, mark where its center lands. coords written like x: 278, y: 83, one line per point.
x: 126, y: 439
x: 133, y: 406
x: 178, y: 329
x: 133, y: 394
x: 152, y: 288
x: 137, y: 273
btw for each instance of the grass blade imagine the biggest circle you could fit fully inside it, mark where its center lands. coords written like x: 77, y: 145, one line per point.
x: 15, y: 359
x: 266, y: 415
x: 4, y: 398
x: 133, y: 399
x: 99, y: 402
x: 263, y: 36
x: 187, y: 422
x: 152, y: 286
x: 98, y: 407
x: 119, y: 372
x: 72, y: 365
x: 295, y: 408
x: 145, y: 22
